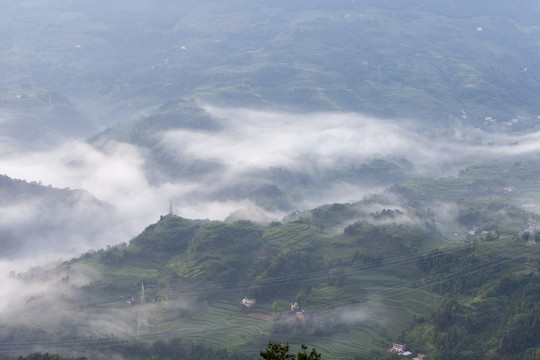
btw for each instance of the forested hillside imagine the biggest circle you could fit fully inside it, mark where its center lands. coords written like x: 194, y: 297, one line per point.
x: 364, y: 275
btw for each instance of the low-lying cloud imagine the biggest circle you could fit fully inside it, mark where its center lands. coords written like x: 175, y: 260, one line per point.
x: 249, y: 144
x: 254, y: 149
x: 253, y: 139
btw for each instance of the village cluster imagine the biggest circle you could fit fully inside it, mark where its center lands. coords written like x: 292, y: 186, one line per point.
x: 295, y: 309
x: 490, y: 120
x: 401, y: 349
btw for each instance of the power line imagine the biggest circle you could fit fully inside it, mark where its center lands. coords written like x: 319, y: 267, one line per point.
x: 322, y: 309
x: 121, y: 298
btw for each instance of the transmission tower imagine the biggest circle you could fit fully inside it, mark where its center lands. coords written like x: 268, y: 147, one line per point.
x: 532, y: 240
x: 532, y: 228
x: 171, y: 208
x: 142, y: 319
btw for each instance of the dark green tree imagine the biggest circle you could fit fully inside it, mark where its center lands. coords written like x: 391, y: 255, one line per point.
x: 313, y: 355
x: 278, y: 351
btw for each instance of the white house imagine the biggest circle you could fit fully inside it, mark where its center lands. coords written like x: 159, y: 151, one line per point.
x: 248, y: 302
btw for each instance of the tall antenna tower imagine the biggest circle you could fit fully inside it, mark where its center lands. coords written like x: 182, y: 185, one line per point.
x: 533, y: 226
x: 171, y: 208
x: 532, y: 240
x: 142, y: 319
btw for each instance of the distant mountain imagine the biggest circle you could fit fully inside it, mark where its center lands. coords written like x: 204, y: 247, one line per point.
x: 33, y: 118
x: 40, y: 221
x: 440, y: 63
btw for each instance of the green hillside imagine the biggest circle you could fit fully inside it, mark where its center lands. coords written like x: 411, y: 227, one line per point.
x: 364, y: 274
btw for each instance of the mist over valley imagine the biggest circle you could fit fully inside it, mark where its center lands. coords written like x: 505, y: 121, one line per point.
x: 195, y: 179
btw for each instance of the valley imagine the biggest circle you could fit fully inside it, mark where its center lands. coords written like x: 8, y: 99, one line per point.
x: 195, y: 179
